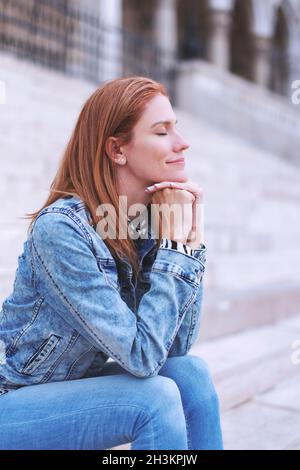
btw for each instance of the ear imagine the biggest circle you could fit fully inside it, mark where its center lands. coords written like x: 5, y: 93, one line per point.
x: 113, y: 150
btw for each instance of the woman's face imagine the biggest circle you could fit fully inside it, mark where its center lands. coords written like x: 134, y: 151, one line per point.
x: 154, y: 145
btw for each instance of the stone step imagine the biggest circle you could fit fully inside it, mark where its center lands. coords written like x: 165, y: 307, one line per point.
x: 257, y: 427
x: 228, y: 312
x: 11, y: 240
x: 254, y: 269
x: 286, y: 394
x: 23, y: 197
x: 269, y: 422
x: 235, y: 241
x: 251, y: 362
x: 20, y: 166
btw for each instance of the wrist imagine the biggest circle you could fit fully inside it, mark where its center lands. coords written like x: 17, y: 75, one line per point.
x: 173, y: 236
x: 177, y: 234
x: 178, y: 246
x: 195, y: 238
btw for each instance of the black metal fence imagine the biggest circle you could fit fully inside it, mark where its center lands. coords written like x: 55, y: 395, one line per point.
x: 59, y: 35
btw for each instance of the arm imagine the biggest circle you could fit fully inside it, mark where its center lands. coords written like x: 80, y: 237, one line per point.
x: 189, y: 329
x: 188, y: 332
x: 68, y: 275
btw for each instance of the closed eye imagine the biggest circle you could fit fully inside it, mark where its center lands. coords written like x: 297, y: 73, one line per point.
x: 162, y: 134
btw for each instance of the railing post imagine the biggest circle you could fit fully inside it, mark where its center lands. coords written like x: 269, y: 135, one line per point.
x: 165, y: 30
x: 111, y: 18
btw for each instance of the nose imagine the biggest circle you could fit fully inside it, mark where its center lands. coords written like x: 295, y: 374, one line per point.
x: 182, y: 144
x: 185, y: 145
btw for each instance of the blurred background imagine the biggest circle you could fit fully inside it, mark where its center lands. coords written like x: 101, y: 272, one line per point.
x: 231, y: 68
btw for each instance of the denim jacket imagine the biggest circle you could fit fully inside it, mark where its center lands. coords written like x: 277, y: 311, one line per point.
x: 74, y: 305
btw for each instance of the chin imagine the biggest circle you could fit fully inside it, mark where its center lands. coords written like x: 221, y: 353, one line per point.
x: 179, y: 176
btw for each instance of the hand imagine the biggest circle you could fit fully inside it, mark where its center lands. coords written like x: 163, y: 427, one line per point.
x: 196, y: 234
x: 179, y: 202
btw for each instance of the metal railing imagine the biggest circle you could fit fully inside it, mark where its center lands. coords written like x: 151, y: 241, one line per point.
x: 58, y: 35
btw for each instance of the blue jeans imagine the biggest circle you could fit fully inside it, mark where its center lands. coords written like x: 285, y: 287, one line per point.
x: 177, y: 409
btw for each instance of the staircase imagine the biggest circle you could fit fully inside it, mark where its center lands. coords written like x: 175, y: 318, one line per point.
x: 251, y: 313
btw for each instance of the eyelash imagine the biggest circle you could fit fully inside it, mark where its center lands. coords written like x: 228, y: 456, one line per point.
x: 162, y: 134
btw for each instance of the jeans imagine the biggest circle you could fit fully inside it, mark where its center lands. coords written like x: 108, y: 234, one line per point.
x: 177, y: 409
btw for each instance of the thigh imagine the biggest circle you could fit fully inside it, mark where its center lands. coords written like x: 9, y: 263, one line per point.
x: 190, y: 374
x: 200, y: 402
x: 92, y: 413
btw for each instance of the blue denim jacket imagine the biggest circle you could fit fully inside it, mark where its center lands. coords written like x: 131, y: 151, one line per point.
x: 74, y: 305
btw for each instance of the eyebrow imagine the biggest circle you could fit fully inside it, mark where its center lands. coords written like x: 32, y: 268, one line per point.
x: 163, y: 122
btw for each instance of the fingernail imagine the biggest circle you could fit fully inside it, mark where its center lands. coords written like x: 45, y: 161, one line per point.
x: 149, y: 188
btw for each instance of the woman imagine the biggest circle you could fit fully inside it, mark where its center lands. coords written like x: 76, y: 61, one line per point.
x: 83, y: 293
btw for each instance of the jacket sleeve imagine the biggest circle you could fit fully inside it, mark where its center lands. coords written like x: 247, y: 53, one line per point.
x: 188, y: 332
x: 68, y: 275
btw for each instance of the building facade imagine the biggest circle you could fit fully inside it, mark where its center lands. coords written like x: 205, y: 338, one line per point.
x: 255, y: 39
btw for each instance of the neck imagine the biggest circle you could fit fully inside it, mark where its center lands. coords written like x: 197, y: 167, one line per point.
x: 134, y: 190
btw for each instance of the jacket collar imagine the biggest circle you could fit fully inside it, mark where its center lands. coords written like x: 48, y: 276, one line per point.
x: 143, y: 245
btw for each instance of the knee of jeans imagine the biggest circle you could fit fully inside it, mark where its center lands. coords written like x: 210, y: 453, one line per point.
x: 164, y: 393
x: 198, y: 370
x: 196, y: 363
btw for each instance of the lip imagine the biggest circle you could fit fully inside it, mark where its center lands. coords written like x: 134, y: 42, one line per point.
x: 179, y: 160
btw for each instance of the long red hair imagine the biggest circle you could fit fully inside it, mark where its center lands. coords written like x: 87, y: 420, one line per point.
x: 85, y: 169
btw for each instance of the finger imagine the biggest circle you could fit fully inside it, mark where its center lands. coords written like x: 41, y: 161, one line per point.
x: 194, y: 214
x: 188, y: 186
x: 161, y: 185
x: 175, y: 184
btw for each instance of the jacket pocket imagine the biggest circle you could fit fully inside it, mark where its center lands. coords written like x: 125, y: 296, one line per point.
x: 11, y: 349
x: 43, y: 352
